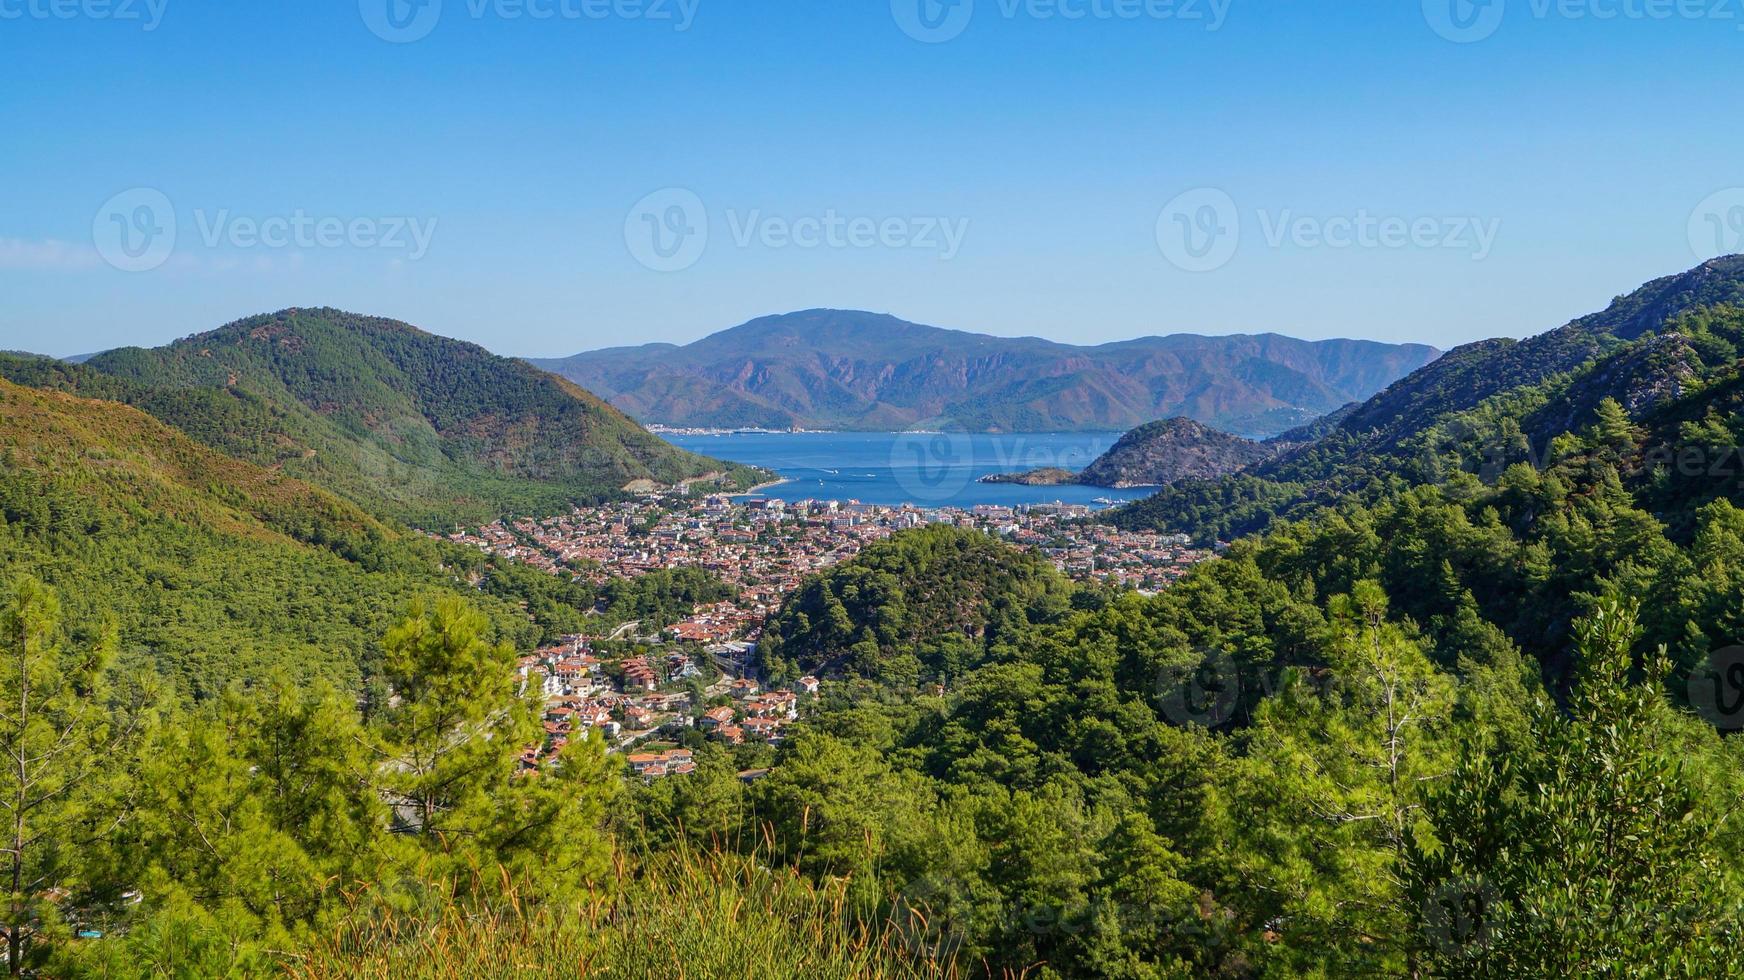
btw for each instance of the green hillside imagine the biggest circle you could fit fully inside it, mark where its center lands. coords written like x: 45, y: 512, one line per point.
x: 214, y: 570
x: 1384, y: 442
x: 409, y: 425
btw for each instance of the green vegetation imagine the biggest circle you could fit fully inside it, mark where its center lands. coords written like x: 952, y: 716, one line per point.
x: 1460, y: 711
x: 406, y: 424
x: 1381, y: 446
x: 929, y: 603
x: 680, y: 913
x: 212, y: 570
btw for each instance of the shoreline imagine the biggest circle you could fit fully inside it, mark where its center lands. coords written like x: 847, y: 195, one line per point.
x: 759, y: 488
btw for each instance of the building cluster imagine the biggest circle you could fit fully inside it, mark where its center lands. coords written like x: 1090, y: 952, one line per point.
x: 764, y: 549
x: 636, y: 699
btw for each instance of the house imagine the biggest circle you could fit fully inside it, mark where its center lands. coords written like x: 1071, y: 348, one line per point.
x: 637, y: 674
x: 716, y: 718
x: 744, y: 687
x: 762, y: 729
x: 808, y: 684
x: 674, y: 762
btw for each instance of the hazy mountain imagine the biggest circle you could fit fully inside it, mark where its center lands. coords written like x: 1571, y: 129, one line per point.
x: 841, y: 369
x: 407, y: 423
x: 1635, y: 351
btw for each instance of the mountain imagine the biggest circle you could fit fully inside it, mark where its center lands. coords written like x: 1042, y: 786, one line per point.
x: 848, y: 370
x: 1158, y: 454
x: 1636, y: 351
x: 408, y: 424
x: 213, y: 570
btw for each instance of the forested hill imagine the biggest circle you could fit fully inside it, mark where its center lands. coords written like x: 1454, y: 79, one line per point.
x: 213, y: 570
x: 845, y: 369
x: 1158, y: 454
x: 1386, y: 439
x: 405, y: 423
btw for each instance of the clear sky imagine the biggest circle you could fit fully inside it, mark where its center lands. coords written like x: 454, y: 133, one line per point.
x: 549, y: 176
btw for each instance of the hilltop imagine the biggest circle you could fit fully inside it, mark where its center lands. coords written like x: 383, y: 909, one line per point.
x: 1156, y: 455
x: 407, y: 424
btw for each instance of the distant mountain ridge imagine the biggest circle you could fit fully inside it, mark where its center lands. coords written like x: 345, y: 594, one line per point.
x: 852, y: 370
x: 408, y: 424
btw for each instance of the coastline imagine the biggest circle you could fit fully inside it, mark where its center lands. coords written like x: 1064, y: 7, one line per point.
x: 759, y: 488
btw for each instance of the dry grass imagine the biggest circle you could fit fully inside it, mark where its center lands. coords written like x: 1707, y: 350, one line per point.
x: 680, y: 915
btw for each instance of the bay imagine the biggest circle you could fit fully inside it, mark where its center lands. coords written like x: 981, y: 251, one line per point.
x: 923, y: 469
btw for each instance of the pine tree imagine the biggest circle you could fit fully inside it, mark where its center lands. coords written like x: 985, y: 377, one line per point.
x: 452, y: 742
x: 57, y: 749
x: 1587, y: 848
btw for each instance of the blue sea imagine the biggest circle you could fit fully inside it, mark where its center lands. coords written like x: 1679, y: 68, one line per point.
x: 924, y: 469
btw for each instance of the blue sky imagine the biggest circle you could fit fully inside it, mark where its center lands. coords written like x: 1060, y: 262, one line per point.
x: 623, y: 171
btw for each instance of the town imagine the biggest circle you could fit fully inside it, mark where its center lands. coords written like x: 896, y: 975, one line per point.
x: 652, y: 689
